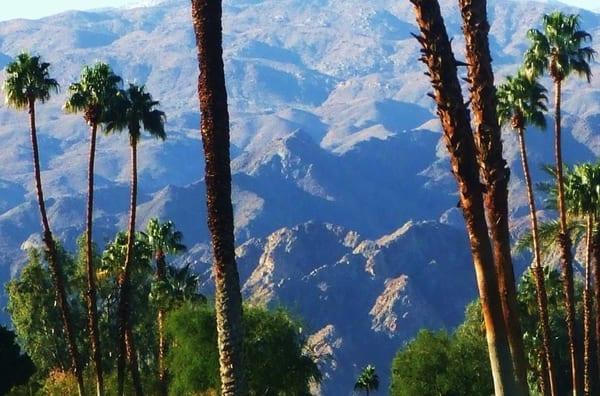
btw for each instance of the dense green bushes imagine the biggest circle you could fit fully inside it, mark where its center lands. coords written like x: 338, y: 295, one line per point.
x: 437, y: 363
x: 275, y: 360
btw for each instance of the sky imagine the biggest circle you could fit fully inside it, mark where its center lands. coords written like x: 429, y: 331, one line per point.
x: 40, y: 8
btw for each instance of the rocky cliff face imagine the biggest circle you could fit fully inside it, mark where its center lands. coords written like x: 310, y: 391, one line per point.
x: 360, y: 299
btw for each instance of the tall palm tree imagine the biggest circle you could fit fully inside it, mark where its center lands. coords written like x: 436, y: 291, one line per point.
x: 442, y: 68
x: 494, y: 170
x: 212, y: 93
x: 27, y: 81
x: 522, y: 102
x: 367, y: 381
x: 559, y: 49
x: 164, y: 239
x: 596, y: 273
x: 93, y: 94
x: 134, y: 110
x: 582, y: 198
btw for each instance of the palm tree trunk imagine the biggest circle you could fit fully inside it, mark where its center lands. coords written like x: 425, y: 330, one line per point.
x: 542, y: 373
x: 596, y: 273
x: 161, y: 274
x: 126, y: 342
x: 587, y: 318
x: 564, y: 241
x: 538, y: 273
x: 91, y: 272
x: 454, y: 116
x: 495, y: 172
x: 52, y: 256
x: 206, y: 16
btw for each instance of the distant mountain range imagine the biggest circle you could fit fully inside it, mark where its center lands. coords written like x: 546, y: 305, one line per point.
x: 335, y: 144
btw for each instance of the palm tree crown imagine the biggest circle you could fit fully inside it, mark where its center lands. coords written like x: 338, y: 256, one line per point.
x: 521, y: 102
x: 582, y: 189
x: 559, y: 49
x: 94, y: 93
x: 28, y: 80
x: 135, y: 109
x: 368, y: 380
x: 163, y: 236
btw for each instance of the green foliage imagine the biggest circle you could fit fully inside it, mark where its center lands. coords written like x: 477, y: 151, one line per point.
x: 521, y: 102
x: 94, y: 93
x: 133, y: 109
x: 27, y: 79
x: 37, y: 321
x: 143, y: 316
x: 35, y: 317
x: 368, y: 380
x: 180, y: 285
x: 12, y: 361
x: 275, y: 360
x: 559, y: 48
x: 437, y: 363
x: 532, y: 336
x: 163, y: 237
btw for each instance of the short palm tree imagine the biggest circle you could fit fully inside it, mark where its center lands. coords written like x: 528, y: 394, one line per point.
x: 560, y: 50
x: 367, y: 381
x: 27, y: 82
x: 582, y: 197
x: 92, y: 95
x: 522, y: 102
x: 183, y: 284
x: 164, y: 239
x: 134, y: 111
x: 212, y: 95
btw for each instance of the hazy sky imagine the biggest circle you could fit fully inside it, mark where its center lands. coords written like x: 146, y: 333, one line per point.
x: 40, y: 8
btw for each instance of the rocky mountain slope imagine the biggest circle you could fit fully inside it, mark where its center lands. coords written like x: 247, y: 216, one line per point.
x: 335, y: 145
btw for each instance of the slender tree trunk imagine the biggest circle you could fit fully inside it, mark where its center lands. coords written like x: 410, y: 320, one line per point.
x: 543, y: 373
x: 206, y: 16
x: 587, y: 317
x: 91, y: 272
x: 53, y: 260
x: 538, y: 273
x: 566, y: 257
x: 596, y: 273
x: 495, y: 172
x: 126, y: 342
x: 438, y: 56
x: 161, y: 274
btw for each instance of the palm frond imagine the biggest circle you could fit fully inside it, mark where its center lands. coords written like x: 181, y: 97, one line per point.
x: 28, y: 80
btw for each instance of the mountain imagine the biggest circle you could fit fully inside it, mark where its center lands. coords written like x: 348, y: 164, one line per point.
x: 335, y: 143
x: 360, y: 298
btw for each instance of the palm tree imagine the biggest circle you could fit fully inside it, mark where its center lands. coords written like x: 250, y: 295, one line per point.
x: 135, y: 110
x: 494, y: 170
x: 164, y: 239
x: 596, y: 273
x: 582, y: 197
x: 28, y: 81
x: 522, y: 102
x: 442, y: 68
x: 212, y: 93
x: 93, y: 95
x: 367, y: 381
x: 559, y: 50
x: 183, y: 284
